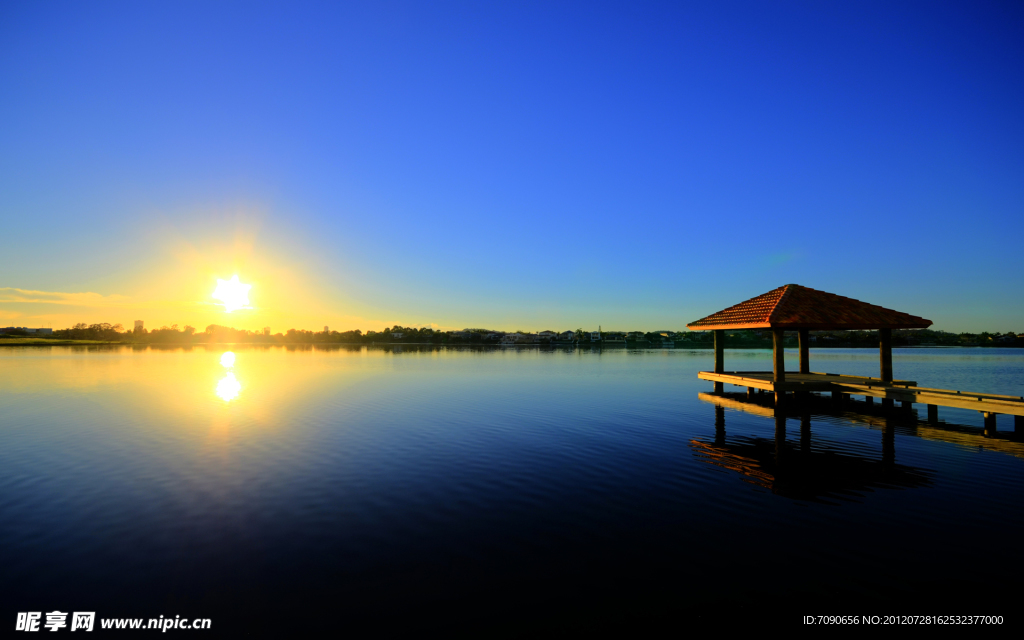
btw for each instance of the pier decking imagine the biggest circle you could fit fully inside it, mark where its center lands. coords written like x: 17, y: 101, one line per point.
x: 1003, y: 442
x: 897, y: 390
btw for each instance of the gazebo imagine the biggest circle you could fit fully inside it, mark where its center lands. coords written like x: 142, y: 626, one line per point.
x: 793, y: 307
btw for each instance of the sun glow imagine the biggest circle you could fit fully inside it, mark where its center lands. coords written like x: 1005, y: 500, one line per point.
x: 233, y: 294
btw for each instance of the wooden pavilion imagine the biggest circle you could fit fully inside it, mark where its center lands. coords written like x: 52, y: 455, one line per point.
x: 796, y: 308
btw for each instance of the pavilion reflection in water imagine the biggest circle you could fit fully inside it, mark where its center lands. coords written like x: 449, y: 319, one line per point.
x: 801, y: 470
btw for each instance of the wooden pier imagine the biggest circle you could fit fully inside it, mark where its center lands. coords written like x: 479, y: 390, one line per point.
x: 903, y: 391
x: 801, y: 309
x: 863, y: 416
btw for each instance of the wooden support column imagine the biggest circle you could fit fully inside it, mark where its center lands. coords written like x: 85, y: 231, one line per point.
x: 885, y: 353
x: 933, y: 413
x: 750, y: 393
x: 887, y: 403
x: 869, y: 399
x: 779, y: 362
x: 719, y: 357
x: 906, y: 405
x: 990, y: 423
x: 805, y: 350
x: 1018, y: 425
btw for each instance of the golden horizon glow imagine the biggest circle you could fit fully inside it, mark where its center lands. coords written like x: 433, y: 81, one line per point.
x: 233, y: 294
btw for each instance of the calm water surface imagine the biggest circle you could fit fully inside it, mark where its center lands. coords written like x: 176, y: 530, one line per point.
x: 286, y: 488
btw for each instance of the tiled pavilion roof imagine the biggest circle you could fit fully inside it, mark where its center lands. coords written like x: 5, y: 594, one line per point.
x: 792, y: 306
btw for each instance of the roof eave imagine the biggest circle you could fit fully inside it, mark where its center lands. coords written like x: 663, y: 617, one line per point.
x: 814, y: 326
x: 707, y: 327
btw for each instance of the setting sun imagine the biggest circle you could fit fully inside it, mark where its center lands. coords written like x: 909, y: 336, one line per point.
x: 233, y: 294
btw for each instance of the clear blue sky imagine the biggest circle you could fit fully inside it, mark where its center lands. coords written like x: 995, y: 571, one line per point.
x: 544, y: 165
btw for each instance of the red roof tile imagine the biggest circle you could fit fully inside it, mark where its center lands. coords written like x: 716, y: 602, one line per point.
x: 795, y: 307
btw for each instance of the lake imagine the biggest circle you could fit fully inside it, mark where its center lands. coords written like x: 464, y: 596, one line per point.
x: 280, y: 489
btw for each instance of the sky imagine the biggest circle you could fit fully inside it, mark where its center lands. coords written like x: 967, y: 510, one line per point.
x: 508, y: 165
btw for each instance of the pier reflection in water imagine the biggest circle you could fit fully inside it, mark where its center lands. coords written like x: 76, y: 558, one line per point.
x: 816, y: 469
x: 809, y: 468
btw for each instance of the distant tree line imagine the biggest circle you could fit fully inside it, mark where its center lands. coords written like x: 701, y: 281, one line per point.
x: 746, y: 338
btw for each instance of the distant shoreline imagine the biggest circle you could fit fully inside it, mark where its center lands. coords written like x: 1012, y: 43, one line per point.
x: 43, y: 342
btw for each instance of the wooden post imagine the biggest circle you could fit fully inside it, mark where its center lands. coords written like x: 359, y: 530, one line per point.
x: 779, y: 363
x: 719, y: 357
x: 1018, y: 425
x: 990, y: 423
x: 885, y: 353
x: 779, y: 354
x: 869, y: 399
x: 933, y: 413
x: 906, y: 405
x: 750, y: 393
x: 805, y: 353
x: 887, y: 403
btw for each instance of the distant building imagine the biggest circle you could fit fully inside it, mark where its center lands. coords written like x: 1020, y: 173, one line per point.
x: 326, y: 330
x: 138, y: 326
x: 266, y: 331
x: 45, y: 331
x: 397, y: 335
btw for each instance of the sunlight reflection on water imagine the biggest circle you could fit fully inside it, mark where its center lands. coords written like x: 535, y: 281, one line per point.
x: 229, y: 387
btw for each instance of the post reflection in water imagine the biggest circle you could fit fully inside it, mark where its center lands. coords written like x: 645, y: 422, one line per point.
x: 830, y: 471
x: 719, y: 426
x: 780, y: 437
x: 805, y: 433
x: 889, y: 443
x: 228, y: 387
